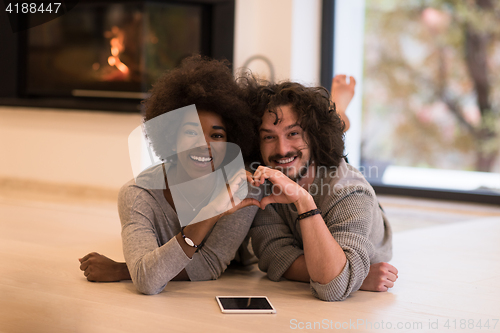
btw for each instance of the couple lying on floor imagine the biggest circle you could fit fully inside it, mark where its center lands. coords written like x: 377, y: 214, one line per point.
x: 248, y: 161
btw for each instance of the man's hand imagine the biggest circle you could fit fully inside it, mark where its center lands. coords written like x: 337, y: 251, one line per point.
x: 342, y: 94
x: 380, y: 278
x: 99, y: 268
x: 284, y: 190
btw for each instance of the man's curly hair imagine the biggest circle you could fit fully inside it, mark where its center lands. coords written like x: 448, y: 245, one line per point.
x: 316, y: 114
x: 210, y: 85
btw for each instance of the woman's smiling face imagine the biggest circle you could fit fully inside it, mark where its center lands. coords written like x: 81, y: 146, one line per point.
x: 200, y: 143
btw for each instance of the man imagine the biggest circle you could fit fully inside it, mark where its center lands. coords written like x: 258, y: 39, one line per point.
x: 321, y: 222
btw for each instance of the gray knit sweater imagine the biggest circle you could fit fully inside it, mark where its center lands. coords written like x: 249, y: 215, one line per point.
x: 353, y: 216
x: 151, y: 251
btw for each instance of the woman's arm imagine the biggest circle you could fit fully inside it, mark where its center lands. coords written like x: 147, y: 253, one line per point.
x: 152, y: 264
x: 223, y: 242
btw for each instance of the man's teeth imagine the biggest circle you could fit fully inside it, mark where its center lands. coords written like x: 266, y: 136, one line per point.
x: 201, y: 159
x: 285, y: 160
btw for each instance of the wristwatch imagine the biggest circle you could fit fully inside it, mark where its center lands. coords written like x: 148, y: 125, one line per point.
x: 189, y: 241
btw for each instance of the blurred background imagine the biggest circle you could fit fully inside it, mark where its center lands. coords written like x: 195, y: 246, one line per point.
x: 425, y: 118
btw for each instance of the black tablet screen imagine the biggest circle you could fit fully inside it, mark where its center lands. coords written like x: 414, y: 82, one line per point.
x: 245, y: 303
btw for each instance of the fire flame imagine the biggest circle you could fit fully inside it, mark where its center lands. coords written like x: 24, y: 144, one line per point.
x: 117, y: 47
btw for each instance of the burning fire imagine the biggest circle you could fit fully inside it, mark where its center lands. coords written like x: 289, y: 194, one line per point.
x: 117, y: 46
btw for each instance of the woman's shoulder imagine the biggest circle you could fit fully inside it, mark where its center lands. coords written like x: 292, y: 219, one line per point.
x: 145, y: 189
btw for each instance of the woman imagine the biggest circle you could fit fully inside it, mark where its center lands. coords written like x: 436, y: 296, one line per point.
x: 193, y: 148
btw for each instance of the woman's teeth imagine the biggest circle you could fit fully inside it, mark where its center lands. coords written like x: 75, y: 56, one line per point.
x: 200, y: 158
x: 285, y: 160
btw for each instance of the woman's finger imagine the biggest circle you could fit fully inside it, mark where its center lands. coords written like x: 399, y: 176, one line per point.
x: 84, y: 265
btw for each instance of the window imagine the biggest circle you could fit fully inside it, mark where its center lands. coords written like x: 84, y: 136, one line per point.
x: 427, y: 108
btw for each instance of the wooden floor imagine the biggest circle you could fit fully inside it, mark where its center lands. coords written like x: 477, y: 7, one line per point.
x: 447, y: 256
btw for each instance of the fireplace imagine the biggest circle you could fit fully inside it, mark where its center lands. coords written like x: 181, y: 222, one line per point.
x: 106, y: 55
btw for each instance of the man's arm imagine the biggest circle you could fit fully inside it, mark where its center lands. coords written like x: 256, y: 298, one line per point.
x: 336, y: 248
x: 273, y: 243
x: 324, y: 258
x: 298, y: 271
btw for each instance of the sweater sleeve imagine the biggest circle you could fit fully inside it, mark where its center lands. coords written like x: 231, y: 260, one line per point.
x: 151, y: 266
x: 221, y: 245
x: 349, y: 220
x: 273, y: 243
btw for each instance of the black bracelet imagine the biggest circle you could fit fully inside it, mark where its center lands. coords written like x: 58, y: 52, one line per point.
x: 309, y: 213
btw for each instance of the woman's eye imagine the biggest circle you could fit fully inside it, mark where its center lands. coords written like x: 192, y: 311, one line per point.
x: 190, y: 133
x: 294, y: 133
x: 218, y: 136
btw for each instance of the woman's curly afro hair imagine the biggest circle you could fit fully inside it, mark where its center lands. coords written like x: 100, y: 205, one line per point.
x: 210, y: 85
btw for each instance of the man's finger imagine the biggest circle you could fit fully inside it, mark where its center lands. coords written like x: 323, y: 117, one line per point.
x: 391, y: 277
x: 393, y: 269
x: 266, y: 201
x: 389, y: 284
x: 260, y: 178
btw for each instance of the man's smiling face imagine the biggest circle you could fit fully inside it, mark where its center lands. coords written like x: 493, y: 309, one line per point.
x: 283, y: 144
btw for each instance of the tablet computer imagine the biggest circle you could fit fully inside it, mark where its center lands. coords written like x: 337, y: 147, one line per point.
x: 245, y: 304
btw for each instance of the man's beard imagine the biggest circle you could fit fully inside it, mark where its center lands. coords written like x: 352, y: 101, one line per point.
x: 303, y: 170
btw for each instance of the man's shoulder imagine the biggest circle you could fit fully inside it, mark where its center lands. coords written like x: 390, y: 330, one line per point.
x: 339, y: 181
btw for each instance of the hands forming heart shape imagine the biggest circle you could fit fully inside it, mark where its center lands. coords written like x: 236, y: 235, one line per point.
x: 284, y: 190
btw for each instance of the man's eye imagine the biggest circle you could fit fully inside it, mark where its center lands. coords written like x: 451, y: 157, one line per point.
x: 294, y: 133
x: 267, y: 137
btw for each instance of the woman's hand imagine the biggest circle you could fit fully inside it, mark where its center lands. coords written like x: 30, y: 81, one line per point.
x: 342, y: 94
x: 99, y: 268
x: 231, y: 200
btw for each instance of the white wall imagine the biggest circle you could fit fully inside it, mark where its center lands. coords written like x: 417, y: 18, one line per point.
x: 348, y: 60
x: 66, y: 147
x: 286, y: 32
x: 306, y: 42
x: 263, y: 27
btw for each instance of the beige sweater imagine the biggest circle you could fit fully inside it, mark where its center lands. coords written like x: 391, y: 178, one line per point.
x: 353, y: 216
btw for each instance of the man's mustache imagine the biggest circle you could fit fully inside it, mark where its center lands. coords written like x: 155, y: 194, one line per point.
x: 297, y: 153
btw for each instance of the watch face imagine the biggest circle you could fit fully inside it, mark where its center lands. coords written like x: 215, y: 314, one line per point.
x: 189, y: 241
